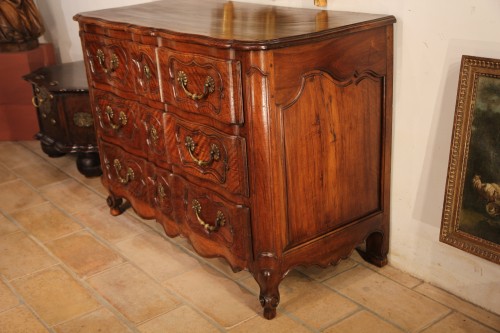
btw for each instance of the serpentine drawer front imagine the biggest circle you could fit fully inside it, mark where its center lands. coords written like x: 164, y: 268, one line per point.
x: 261, y: 133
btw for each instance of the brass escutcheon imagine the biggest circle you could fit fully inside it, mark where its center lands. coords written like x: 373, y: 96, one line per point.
x: 153, y: 134
x: 147, y: 72
x: 161, y: 191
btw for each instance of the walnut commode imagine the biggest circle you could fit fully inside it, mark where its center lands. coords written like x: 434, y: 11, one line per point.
x: 260, y: 133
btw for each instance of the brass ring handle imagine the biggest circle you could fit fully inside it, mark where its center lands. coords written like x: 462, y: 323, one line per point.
x: 214, y: 152
x: 208, y: 87
x: 128, y: 177
x: 122, y: 118
x: 37, y: 101
x: 219, y: 221
x: 114, y: 62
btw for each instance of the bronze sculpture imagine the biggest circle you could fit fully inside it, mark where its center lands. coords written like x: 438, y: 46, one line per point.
x: 20, y: 25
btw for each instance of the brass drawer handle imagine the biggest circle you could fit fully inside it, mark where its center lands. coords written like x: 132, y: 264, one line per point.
x: 219, y: 221
x: 114, y: 62
x: 37, y: 101
x: 214, y: 152
x: 208, y: 88
x: 128, y: 177
x: 122, y: 118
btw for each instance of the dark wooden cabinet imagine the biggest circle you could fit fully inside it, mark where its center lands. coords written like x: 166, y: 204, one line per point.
x: 260, y: 133
x: 61, y: 98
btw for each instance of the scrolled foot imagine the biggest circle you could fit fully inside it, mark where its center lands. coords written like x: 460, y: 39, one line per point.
x: 269, y: 296
x: 114, y: 204
x: 269, y: 303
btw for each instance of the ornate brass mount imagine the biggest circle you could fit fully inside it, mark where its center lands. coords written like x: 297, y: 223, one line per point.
x: 153, y: 134
x: 160, y: 190
x: 320, y: 3
x: 220, y: 220
x: 83, y: 119
x: 122, y: 117
x: 114, y: 62
x: 214, y: 152
x: 147, y: 72
x: 208, y: 87
x: 40, y: 97
x: 129, y: 175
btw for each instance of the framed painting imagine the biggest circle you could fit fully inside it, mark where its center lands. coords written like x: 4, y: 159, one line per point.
x: 471, y: 212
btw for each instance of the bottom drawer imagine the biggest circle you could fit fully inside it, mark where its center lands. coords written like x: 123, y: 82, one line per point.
x: 214, y: 226
x: 125, y: 176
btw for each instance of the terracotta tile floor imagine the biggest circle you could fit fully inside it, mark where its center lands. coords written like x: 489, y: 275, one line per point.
x: 66, y: 265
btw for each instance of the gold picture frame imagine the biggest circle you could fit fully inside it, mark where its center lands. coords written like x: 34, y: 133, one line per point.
x: 471, y: 212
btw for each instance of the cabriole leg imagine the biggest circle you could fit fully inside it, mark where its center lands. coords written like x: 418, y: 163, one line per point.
x: 376, y: 249
x: 269, y: 296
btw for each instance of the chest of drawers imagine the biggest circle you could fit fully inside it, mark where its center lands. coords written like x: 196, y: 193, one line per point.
x: 260, y: 133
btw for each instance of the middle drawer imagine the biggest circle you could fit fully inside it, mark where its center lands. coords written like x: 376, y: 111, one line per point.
x: 131, y: 125
x: 203, y: 153
x: 202, y: 85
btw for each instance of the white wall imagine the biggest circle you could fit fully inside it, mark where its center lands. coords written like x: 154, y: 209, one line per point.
x: 431, y: 37
x: 60, y: 28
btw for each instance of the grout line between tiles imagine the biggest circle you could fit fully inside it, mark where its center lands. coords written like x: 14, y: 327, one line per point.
x: 99, y: 298
x: 80, y: 281
x: 364, y: 307
x: 437, y: 320
x: 339, y: 320
x: 458, y: 310
x: 22, y: 302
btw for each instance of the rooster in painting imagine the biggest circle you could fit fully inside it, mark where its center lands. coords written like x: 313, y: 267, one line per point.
x: 490, y: 192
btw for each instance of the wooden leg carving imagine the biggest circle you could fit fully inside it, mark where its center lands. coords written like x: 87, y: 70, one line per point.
x: 376, y: 250
x: 269, y: 294
x: 114, y: 204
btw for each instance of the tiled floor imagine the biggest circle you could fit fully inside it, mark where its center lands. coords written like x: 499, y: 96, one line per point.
x: 66, y: 265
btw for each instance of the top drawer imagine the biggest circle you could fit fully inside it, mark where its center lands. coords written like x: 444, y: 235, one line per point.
x: 202, y: 85
x: 108, y: 62
x: 118, y: 65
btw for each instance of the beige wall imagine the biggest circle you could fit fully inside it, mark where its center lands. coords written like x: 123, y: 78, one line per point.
x: 431, y: 37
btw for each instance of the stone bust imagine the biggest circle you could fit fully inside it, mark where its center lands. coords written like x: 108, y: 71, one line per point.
x: 20, y: 25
